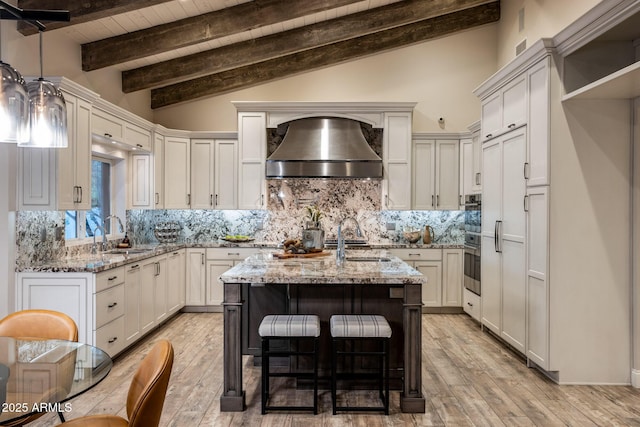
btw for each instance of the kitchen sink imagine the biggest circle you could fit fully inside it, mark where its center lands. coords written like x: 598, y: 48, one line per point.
x: 368, y: 259
x: 348, y: 244
x: 129, y: 251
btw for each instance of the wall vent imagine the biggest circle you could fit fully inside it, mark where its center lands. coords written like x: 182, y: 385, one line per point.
x: 520, y: 47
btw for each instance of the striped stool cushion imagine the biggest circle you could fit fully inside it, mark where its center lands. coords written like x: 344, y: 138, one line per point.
x: 290, y: 325
x: 360, y: 325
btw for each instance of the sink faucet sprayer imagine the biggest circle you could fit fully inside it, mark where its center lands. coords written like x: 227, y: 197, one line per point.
x: 340, y: 255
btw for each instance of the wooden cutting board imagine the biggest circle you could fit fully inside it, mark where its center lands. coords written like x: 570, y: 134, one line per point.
x: 309, y: 255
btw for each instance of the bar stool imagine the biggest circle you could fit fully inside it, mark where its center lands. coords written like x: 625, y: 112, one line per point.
x: 363, y: 328
x: 289, y: 327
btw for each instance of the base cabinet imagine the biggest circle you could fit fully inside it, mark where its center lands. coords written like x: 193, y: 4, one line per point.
x: 471, y: 304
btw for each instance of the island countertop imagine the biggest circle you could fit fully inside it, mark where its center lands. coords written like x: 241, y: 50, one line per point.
x: 360, y: 267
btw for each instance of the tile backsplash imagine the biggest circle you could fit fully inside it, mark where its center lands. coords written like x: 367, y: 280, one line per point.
x: 284, y: 217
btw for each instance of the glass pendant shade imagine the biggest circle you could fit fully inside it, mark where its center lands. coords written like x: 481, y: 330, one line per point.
x: 14, y: 106
x: 47, y: 116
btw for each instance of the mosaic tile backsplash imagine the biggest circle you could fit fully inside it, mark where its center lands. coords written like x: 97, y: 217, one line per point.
x: 284, y: 218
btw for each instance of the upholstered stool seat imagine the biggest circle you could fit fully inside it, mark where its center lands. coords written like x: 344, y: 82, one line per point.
x: 292, y: 327
x: 360, y: 327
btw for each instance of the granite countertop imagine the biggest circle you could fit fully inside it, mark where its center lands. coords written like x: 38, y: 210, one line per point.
x: 388, y: 270
x: 96, y: 263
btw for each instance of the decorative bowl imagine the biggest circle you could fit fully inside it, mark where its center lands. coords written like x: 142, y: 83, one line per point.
x: 412, y: 236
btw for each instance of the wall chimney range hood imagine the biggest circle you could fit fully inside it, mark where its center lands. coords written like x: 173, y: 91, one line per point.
x: 324, y: 147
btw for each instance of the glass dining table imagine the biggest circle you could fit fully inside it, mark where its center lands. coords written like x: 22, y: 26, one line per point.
x: 43, y: 375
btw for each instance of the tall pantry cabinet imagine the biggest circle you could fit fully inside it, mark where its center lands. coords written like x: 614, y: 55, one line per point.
x: 556, y: 220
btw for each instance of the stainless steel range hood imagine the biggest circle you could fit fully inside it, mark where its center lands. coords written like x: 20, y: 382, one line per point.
x: 324, y: 147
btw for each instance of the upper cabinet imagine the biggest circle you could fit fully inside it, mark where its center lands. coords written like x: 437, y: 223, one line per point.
x: 435, y: 174
x: 252, y: 148
x: 471, y: 163
x: 505, y: 109
x: 213, y: 173
x: 60, y: 178
x: 396, y: 161
x: 113, y: 125
x: 177, y: 172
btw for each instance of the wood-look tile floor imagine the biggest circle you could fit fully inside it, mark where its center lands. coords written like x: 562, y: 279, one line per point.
x: 469, y: 379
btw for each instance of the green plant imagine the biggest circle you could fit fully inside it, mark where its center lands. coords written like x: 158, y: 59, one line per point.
x: 314, y: 213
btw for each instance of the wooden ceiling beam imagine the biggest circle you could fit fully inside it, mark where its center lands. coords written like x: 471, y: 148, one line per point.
x: 81, y: 11
x: 332, y: 54
x: 289, y: 42
x: 198, y: 29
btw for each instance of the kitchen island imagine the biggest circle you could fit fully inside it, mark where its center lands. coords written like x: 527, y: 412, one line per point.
x: 368, y: 281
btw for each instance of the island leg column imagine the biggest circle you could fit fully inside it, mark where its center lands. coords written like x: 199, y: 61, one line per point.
x: 232, y: 399
x: 411, y: 399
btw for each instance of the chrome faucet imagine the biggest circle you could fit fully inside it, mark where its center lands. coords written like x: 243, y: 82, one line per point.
x: 120, y: 226
x: 94, y: 247
x: 340, y: 247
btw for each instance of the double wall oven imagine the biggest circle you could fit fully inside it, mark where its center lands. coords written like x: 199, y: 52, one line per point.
x: 472, y: 242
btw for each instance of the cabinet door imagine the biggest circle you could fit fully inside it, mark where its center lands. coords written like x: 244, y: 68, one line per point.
x: 158, y: 171
x: 226, y: 176
x: 466, y: 167
x: 140, y: 183
x: 252, y: 147
x: 36, y: 178
x: 537, y: 276
x: 396, y: 159
x: 513, y: 185
x: 160, y: 292
x: 491, y: 279
x: 424, y: 166
x: 538, y: 124
x: 196, y: 277
x: 452, y: 272
x: 131, y: 303
x: 146, y: 306
x: 432, y: 290
x: 447, y: 163
x: 514, y: 103
x: 202, y: 191
x: 491, y: 116
x: 137, y: 137
x: 82, y: 156
x: 215, y: 292
x: 491, y: 189
x: 477, y: 163
x: 175, y: 281
x: 176, y: 173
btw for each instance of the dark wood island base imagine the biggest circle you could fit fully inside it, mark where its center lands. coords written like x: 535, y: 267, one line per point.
x: 397, y: 296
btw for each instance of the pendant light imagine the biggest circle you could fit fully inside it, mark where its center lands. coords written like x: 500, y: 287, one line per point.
x: 14, y: 106
x: 47, y: 113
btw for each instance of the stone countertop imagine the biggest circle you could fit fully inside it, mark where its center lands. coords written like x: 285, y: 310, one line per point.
x: 324, y: 270
x: 104, y: 261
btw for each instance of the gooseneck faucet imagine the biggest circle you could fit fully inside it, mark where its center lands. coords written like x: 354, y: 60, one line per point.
x: 120, y: 226
x: 94, y: 247
x: 340, y: 247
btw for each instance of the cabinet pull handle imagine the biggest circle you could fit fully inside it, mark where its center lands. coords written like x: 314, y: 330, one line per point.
x: 469, y: 304
x: 157, y: 198
x: 477, y: 178
x: 108, y: 135
x: 210, y: 199
x: 525, y: 170
x: 261, y: 200
x: 216, y: 200
x: 175, y: 253
x: 437, y: 200
x: 525, y: 203
x: 112, y: 278
x: 233, y: 253
x: 134, y: 267
x: 157, y: 268
x: 511, y: 126
x: 112, y: 340
x: 202, y: 258
x: 188, y: 199
x: 414, y: 255
x: 489, y: 135
x: 495, y: 236
x: 460, y: 200
x: 113, y: 304
x: 432, y: 200
x: 139, y: 145
x: 386, y: 200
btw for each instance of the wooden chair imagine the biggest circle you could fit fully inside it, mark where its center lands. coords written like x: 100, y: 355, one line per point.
x: 146, y: 393
x: 37, y: 324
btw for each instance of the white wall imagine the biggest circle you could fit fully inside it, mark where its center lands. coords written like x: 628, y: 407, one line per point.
x: 8, y: 176
x: 542, y: 18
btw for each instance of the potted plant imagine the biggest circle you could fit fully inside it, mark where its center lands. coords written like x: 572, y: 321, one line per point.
x: 314, y: 217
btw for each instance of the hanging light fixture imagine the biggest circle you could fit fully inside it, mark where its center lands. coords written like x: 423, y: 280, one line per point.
x: 14, y: 106
x: 47, y: 113
x: 33, y: 114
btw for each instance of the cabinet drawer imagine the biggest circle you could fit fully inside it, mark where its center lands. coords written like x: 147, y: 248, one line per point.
x: 107, y: 125
x: 109, y: 278
x: 236, y: 254
x: 109, y: 305
x: 110, y: 337
x: 418, y: 254
x: 137, y: 137
x: 471, y: 304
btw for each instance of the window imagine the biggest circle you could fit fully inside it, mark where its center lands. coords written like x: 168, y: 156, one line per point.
x: 83, y: 224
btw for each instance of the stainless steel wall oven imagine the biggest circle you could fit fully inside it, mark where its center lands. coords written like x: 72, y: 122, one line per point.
x: 472, y: 242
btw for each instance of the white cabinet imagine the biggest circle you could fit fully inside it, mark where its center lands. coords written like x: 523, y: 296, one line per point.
x: 503, y: 237
x: 252, y: 148
x: 140, y: 182
x: 213, y: 173
x: 116, y: 128
x: 132, y: 280
x: 436, y: 174
x: 177, y: 173
x: 59, y: 178
x: 214, y: 293
x: 176, y: 276
x: 158, y: 170
x: 137, y: 137
x: 538, y: 87
x: 196, y: 277
x: 109, y: 301
x: 443, y: 269
x: 396, y: 161
x: 107, y: 125
x: 504, y: 110
x: 471, y: 163
x: 153, y: 292
x: 471, y: 304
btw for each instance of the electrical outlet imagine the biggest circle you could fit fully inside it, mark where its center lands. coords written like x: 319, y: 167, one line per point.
x: 391, y: 226
x: 259, y: 225
x: 59, y: 231
x: 43, y: 234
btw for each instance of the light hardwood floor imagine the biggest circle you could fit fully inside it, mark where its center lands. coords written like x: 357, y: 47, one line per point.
x: 469, y: 379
